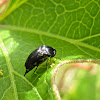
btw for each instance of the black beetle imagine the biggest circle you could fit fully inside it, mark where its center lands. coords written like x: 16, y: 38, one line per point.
x: 38, y: 56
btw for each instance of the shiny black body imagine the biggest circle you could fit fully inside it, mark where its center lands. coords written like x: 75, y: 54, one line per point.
x: 38, y: 56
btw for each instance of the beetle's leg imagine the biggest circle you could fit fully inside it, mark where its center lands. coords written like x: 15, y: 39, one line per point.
x: 27, y: 70
x: 47, y: 65
x: 35, y: 69
x: 47, y: 62
x: 50, y: 61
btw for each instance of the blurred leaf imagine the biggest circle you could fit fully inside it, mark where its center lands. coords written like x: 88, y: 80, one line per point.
x: 85, y: 86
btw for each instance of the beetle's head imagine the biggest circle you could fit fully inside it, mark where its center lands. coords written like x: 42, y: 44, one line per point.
x: 53, y: 53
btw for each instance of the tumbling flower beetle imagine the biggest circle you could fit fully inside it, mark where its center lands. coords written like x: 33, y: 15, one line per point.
x: 38, y: 56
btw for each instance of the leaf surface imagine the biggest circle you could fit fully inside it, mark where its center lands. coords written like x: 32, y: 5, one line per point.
x: 71, y: 27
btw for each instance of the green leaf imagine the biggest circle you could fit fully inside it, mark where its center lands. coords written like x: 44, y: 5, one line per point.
x: 72, y: 27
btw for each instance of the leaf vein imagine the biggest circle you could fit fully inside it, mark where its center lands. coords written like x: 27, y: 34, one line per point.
x: 73, y: 41
x: 10, y: 68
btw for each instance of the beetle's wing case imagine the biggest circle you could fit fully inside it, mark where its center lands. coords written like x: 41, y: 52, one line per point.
x: 36, y: 57
x: 32, y: 58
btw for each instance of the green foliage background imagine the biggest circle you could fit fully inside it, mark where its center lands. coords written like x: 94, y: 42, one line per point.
x: 72, y: 27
